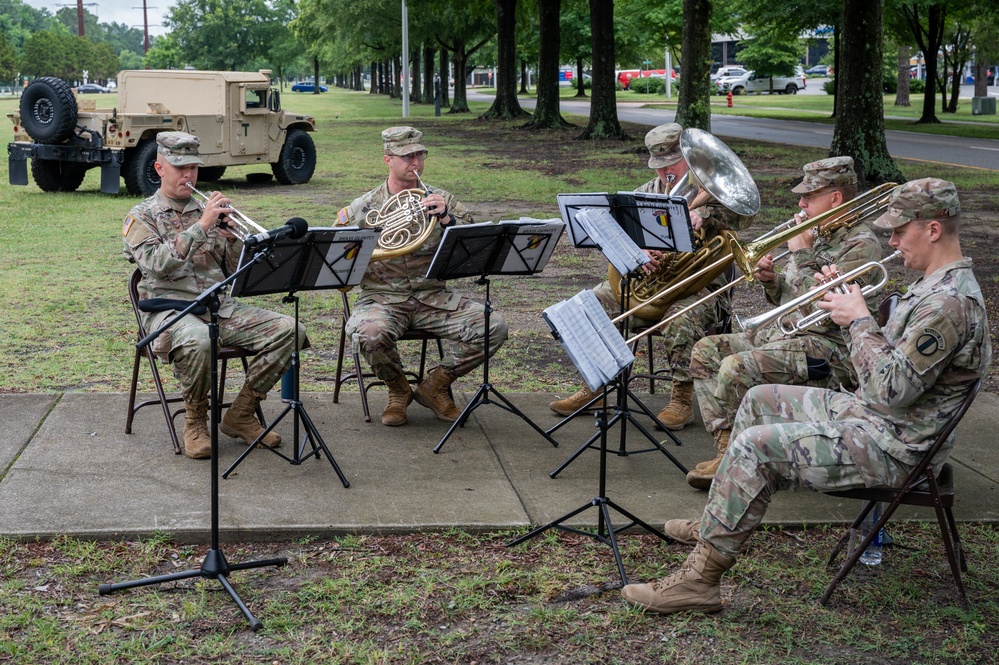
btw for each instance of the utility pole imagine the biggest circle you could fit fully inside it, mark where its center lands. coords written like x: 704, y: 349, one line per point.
x: 145, y: 25
x: 79, y: 17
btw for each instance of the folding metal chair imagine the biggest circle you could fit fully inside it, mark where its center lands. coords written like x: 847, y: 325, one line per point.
x: 362, y: 377
x: 226, y: 353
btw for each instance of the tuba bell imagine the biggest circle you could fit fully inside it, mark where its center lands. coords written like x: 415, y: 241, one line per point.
x: 714, y: 172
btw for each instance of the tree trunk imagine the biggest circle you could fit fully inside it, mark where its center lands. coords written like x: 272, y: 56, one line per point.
x: 603, y: 104
x: 397, y: 79
x: 902, y: 80
x: 445, y: 80
x: 414, y: 66
x: 578, y: 84
x: 981, y: 78
x: 460, y: 103
x: 929, y: 42
x: 694, y: 102
x: 374, y: 78
x: 860, y: 126
x: 547, y: 113
x: 506, y: 106
x: 523, y: 77
x: 836, y: 86
x: 428, y: 73
x: 315, y: 76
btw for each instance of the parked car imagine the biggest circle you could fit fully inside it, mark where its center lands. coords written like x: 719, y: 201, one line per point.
x: 308, y: 86
x: 751, y: 82
x: 91, y: 87
x: 818, y: 70
x: 723, y: 72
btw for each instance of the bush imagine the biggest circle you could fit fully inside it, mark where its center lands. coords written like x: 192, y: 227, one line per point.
x: 830, y: 87
x: 916, y: 86
x: 648, y: 85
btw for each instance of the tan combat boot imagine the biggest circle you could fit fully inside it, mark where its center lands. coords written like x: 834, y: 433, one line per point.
x: 569, y: 405
x: 433, y: 394
x: 696, y: 587
x: 680, y: 411
x: 399, y: 397
x: 702, y: 474
x: 686, y: 532
x: 197, y: 440
x: 240, y: 421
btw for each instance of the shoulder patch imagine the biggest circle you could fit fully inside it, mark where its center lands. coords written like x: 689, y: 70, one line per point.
x: 343, y: 217
x: 930, y: 342
x: 127, y: 225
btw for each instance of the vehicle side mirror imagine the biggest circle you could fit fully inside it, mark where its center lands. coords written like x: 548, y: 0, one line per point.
x: 274, y: 101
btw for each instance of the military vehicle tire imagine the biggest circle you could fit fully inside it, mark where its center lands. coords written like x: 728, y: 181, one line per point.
x: 48, y: 110
x: 54, y: 176
x: 141, y: 178
x: 297, y: 161
x: 211, y: 173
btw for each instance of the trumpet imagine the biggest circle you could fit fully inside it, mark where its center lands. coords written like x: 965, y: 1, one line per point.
x: 839, y: 283
x: 240, y: 225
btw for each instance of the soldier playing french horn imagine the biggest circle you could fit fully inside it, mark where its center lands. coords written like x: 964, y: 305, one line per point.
x: 395, y: 294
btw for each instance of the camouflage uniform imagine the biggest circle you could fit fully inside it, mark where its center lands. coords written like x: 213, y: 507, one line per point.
x: 724, y: 367
x: 913, y: 375
x: 179, y: 260
x: 395, y: 296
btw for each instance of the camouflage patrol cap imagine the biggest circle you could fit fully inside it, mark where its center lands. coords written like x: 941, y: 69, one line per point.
x: 663, y: 143
x: 831, y: 172
x: 402, y: 140
x: 928, y: 198
x: 179, y: 148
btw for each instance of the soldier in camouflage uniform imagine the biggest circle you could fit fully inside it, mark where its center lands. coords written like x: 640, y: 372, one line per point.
x: 182, y: 250
x: 663, y: 143
x: 913, y: 374
x: 724, y: 367
x: 396, y: 296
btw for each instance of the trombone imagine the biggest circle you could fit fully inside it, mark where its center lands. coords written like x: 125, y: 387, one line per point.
x: 746, y: 256
x: 240, y: 225
x: 837, y: 284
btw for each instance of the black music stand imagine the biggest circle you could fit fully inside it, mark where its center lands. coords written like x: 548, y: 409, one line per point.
x: 614, y: 232
x: 215, y: 566
x: 600, y: 354
x: 323, y: 258
x: 475, y: 250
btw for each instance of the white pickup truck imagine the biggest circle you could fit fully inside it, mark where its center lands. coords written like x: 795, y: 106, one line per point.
x: 751, y: 82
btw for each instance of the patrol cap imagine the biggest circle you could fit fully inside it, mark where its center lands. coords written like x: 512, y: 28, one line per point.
x: 831, y: 172
x: 179, y: 148
x: 663, y: 143
x: 929, y: 198
x: 403, y: 140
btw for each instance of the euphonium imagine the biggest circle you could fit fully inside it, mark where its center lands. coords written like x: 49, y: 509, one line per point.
x: 715, y: 172
x: 240, y: 225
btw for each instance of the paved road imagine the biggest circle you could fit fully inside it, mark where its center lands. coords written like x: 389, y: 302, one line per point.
x: 977, y: 153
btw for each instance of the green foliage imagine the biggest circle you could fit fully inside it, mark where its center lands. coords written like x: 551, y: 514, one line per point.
x: 648, y: 85
x: 222, y: 35
x: 770, y: 52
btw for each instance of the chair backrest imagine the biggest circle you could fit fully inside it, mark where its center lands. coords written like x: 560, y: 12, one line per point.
x: 887, y: 306
x: 133, y: 296
x: 919, y: 471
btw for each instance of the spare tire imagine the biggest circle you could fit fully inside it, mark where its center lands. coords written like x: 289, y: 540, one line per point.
x: 54, y: 176
x: 48, y: 110
x: 297, y: 161
x: 141, y: 178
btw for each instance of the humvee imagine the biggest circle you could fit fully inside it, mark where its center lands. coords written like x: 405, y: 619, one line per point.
x: 237, y: 116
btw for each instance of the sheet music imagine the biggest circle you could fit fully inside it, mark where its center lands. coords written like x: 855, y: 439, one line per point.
x: 570, y: 205
x: 660, y: 221
x: 532, y: 244
x: 471, y: 252
x: 620, y: 250
x: 346, y: 259
x: 590, y: 339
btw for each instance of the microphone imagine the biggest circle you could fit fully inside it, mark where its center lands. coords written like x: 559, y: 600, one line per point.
x: 296, y: 227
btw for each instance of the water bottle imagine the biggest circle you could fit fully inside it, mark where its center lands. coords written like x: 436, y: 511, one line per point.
x: 872, y: 555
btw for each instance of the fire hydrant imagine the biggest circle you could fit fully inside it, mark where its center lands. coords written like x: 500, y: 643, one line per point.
x: 730, y: 99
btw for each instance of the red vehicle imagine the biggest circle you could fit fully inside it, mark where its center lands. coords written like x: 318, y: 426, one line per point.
x: 624, y: 76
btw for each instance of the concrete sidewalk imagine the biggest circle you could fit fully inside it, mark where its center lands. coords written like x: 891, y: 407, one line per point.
x: 69, y: 468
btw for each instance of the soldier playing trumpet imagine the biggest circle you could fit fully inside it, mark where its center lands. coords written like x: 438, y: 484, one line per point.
x: 396, y: 296
x: 181, y: 249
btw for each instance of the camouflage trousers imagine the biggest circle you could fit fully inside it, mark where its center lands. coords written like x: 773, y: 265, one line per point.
x: 793, y: 436
x: 680, y: 335
x: 374, y: 329
x: 269, y: 334
x: 724, y: 367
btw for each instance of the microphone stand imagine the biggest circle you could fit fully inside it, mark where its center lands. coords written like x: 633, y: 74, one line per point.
x: 215, y: 566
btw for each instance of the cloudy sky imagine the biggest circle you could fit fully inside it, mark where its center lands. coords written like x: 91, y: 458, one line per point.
x: 128, y: 12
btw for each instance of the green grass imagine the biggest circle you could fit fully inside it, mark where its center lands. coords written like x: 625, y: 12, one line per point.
x: 456, y: 597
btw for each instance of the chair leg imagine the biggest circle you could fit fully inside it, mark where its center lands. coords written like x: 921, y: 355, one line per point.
x: 855, y: 555
x: 338, y: 381
x: 163, y: 400
x: 957, y: 539
x: 952, y: 549
x: 132, y: 391
x: 650, y: 359
x: 358, y: 369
